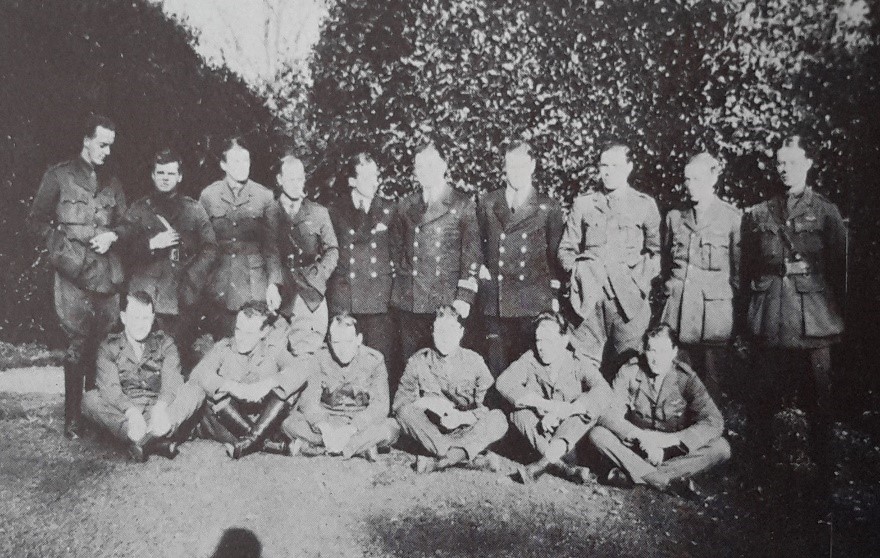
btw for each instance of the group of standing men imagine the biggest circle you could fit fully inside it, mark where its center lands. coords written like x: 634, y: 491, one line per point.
x: 395, y: 283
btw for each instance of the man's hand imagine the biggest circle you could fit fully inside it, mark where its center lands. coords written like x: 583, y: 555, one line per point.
x: 335, y: 439
x: 436, y: 404
x: 653, y: 452
x: 102, y: 242
x: 273, y: 298
x: 160, y: 420
x: 554, y: 304
x: 164, y: 239
x: 462, y: 307
x: 484, y: 273
x: 137, y: 426
x: 550, y: 422
x: 456, y: 419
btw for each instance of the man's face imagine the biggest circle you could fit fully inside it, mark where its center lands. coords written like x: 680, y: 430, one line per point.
x: 614, y: 168
x: 793, y: 165
x: 700, y: 179
x: 249, y: 331
x: 366, y: 178
x: 236, y: 163
x: 137, y: 319
x: 345, y: 342
x: 550, y: 345
x: 660, y: 352
x: 97, y: 147
x: 519, y: 167
x: 447, y: 334
x: 167, y: 176
x: 430, y: 172
x: 292, y: 178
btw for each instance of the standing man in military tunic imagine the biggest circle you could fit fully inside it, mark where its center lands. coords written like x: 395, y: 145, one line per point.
x: 245, y: 223
x: 611, y: 248
x: 78, y: 213
x: 701, y: 267
x: 436, y: 247
x: 794, y: 265
x: 309, y: 251
x: 520, y: 277
x: 172, y: 253
x: 361, y: 284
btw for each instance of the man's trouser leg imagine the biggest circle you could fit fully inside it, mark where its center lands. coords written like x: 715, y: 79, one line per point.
x: 611, y: 447
x: 773, y: 369
x: 188, y: 401
x: 490, y: 427
x: 701, y: 459
x: 820, y: 411
x: 415, y: 333
x: 307, y: 328
x: 86, y: 317
x: 296, y: 426
x: 380, y: 434
x: 220, y: 320
x: 416, y: 424
x: 624, y: 335
x: 571, y: 430
x: 708, y: 361
x: 102, y: 413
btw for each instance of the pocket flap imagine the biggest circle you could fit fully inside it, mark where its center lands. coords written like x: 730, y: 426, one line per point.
x: 717, y: 291
x: 762, y: 284
x: 808, y: 283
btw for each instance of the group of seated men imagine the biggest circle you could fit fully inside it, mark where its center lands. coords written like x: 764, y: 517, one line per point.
x: 656, y: 425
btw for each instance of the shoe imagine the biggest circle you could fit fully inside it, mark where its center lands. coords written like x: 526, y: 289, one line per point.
x: 529, y: 474
x: 685, y: 488
x: 277, y: 448
x: 618, y: 478
x: 488, y: 461
x: 574, y: 473
x: 163, y: 448
x: 425, y: 464
x: 371, y: 455
x: 71, y: 430
x: 136, y: 452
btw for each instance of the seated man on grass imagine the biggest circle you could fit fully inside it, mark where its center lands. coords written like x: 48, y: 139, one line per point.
x: 141, y: 397
x: 251, y: 384
x: 344, y: 409
x: 663, y: 427
x: 439, y: 403
x: 557, y: 397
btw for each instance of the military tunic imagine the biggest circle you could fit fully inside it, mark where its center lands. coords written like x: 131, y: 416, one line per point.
x: 436, y: 252
x: 611, y: 248
x: 460, y: 377
x: 519, y: 251
x: 74, y: 204
x: 794, y: 266
x: 361, y: 283
x: 354, y: 394
x: 246, y: 229
x: 174, y: 277
x: 125, y: 381
x: 574, y: 380
x: 679, y: 405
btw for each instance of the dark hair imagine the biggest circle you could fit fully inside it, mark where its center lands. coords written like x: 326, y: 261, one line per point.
x: 627, y: 152
x: 800, y: 141
x: 515, y: 143
x: 448, y: 311
x: 362, y: 157
x: 254, y: 309
x: 93, y: 121
x: 230, y: 143
x: 139, y: 296
x: 166, y: 156
x: 344, y: 319
x: 662, y: 330
x: 554, y: 317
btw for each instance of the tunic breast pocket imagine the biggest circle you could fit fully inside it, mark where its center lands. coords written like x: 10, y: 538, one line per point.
x: 595, y: 231
x: 770, y: 241
x: 73, y: 211
x: 715, y: 250
x: 808, y: 234
x: 219, y: 217
x: 672, y: 412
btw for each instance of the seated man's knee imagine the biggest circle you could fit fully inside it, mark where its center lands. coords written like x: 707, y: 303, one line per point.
x: 722, y: 450
x: 410, y: 414
x: 600, y: 436
x: 497, y: 420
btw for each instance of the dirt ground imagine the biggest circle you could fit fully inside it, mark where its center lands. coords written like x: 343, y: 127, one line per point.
x: 83, y: 498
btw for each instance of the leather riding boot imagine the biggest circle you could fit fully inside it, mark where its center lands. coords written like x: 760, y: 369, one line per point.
x: 73, y: 394
x: 164, y: 447
x: 273, y: 413
x: 232, y: 420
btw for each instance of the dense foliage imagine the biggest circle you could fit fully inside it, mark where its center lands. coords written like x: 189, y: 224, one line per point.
x: 61, y: 59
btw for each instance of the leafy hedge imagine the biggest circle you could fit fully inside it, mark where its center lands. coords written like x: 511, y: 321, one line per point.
x: 61, y: 59
x: 669, y: 77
